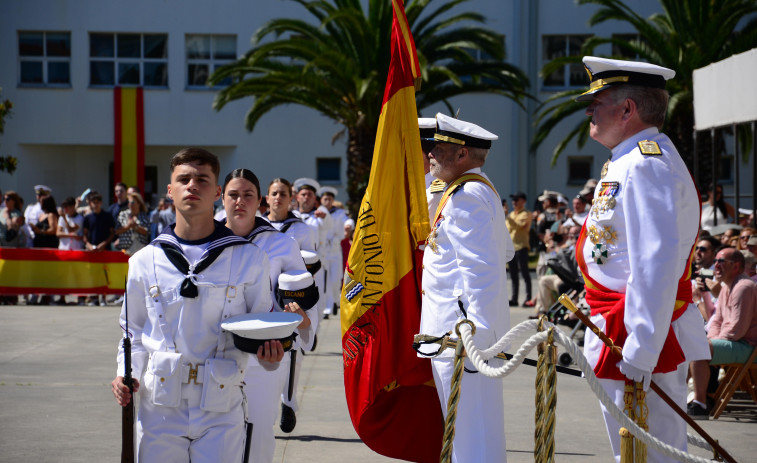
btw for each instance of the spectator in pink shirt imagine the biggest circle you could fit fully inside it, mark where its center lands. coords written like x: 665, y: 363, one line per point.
x: 733, y: 327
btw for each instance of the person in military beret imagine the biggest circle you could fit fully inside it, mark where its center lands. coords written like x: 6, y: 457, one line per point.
x: 636, y: 246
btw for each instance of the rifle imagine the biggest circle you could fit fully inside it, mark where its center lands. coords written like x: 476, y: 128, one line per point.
x: 127, y: 414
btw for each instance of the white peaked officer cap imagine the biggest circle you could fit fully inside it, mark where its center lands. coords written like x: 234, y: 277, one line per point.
x: 297, y: 287
x: 605, y: 73
x: 251, y: 330
x: 327, y: 190
x: 549, y: 194
x: 427, y: 126
x: 305, y: 182
x: 42, y: 189
x: 451, y: 130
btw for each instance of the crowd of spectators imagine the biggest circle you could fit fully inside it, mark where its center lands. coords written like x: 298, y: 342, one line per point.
x: 81, y: 223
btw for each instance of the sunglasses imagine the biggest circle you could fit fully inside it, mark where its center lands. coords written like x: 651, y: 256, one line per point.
x: 702, y: 248
x: 721, y: 261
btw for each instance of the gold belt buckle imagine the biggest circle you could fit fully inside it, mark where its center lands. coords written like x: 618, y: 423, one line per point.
x: 193, y: 373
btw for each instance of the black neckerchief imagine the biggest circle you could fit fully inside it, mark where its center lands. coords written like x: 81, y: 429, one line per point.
x: 220, y: 239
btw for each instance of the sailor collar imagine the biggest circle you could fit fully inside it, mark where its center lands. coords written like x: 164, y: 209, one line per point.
x: 220, y: 239
x: 630, y: 143
x: 261, y: 226
x: 291, y: 218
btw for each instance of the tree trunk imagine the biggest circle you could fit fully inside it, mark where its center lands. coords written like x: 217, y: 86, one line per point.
x: 359, y: 158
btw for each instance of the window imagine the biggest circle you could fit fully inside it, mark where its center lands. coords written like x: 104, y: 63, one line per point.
x: 623, y: 52
x: 558, y: 46
x: 205, y: 53
x: 128, y: 59
x: 44, y: 58
x: 329, y: 170
x: 579, y: 169
x: 725, y: 168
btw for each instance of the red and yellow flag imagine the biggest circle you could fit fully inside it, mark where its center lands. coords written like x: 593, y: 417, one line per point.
x: 129, y: 136
x: 50, y: 271
x: 390, y: 391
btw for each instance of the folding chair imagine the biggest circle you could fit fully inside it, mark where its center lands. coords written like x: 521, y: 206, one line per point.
x: 737, y: 375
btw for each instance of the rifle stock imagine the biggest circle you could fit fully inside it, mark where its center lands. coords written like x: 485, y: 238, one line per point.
x: 127, y: 414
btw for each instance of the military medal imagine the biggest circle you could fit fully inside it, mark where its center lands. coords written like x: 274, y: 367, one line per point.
x: 605, y: 167
x: 599, y: 253
x: 431, y: 240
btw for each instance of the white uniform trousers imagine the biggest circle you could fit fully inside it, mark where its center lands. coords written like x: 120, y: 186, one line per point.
x: 334, y: 278
x: 291, y: 403
x: 663, y: 422
x: 262, y: 389
x: 480, y: 423
x: 187, y: 433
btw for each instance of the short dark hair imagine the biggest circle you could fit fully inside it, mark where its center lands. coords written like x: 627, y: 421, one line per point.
x: 69, y: 201
x: 246, y: 174
x: 94, y: 196
x: 198, y: 155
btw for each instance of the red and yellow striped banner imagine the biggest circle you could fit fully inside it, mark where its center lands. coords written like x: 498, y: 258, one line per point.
x: 129, y: 133
x: 390, y: 392
x: 50, y: 271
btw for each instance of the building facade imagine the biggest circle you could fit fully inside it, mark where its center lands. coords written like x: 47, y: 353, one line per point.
x: 62, y: 59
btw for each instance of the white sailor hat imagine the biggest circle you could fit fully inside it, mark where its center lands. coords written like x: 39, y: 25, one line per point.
x: 251, y: 330
x: 451, y: 130
x: 305, y: 182
x: 327, y: 190
x: 427, y: 126
x: 297, y: 287
x: 312, y: 262
x: 549, y: 194
x: 605, y: 73
x: 42, y: 189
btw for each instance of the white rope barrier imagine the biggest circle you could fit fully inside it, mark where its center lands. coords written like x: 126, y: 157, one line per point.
x: 479, y: 357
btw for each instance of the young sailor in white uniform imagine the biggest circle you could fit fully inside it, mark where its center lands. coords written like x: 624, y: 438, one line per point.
x: 241, y: 199
x: 335, y: 267
x: 319, y: 220
x: 180, y: 289
x: 636, y: 247
x: 279, y: 200
x: 464, y: 276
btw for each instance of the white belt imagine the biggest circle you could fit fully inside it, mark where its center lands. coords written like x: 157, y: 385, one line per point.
x: 193, y: 374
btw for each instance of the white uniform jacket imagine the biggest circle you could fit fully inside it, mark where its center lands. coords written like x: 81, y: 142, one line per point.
x: 283, y: 256
x: 648, y: 234
x: 237, y: 282
x: 469, y: 266
x: 294, y: 227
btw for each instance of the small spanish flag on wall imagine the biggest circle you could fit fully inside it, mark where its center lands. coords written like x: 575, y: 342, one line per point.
x: 129, y: 132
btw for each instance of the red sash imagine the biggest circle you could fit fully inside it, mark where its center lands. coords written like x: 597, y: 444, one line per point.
x: 611, y: 305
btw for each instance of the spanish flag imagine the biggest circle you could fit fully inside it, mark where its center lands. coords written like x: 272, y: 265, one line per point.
x: 390, y: 392
x: 50, y: 271
x: 129, y: 136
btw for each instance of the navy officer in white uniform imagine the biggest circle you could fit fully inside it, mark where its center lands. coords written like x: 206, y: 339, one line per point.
x: 192, y: 277
x: 636, y: 247
x: 464, y: 276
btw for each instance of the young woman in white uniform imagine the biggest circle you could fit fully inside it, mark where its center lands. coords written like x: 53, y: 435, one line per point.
x: 241, y: 199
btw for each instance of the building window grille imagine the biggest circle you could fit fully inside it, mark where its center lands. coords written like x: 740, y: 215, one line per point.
x: 128, y: 60
x: 205, y: 53
x: 44, y: 59
x: 559, y: 46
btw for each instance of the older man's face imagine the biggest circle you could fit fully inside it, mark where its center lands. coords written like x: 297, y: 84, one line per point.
x: 606, y: 116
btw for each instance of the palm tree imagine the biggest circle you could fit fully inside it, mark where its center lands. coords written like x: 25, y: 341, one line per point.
x: 338, y: 66
x: 687, y: 35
